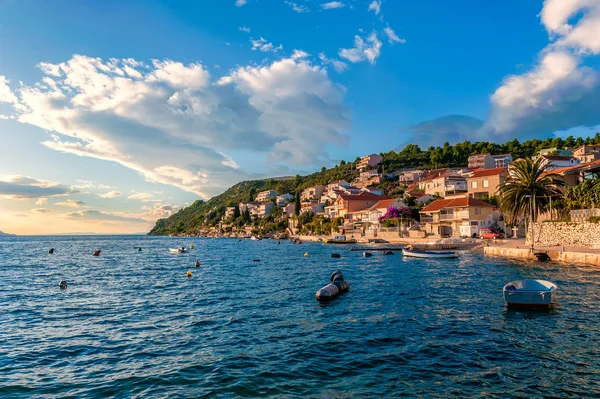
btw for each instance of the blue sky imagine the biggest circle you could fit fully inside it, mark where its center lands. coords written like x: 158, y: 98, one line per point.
x: 139, y: 107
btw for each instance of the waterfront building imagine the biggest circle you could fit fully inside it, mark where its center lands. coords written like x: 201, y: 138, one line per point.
x: 485, y: 182
x: 481, y: 161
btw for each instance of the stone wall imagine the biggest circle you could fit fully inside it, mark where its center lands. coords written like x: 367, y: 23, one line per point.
x: 566, y: 234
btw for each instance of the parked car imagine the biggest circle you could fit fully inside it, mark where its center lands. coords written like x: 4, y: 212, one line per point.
x: 489, y: 234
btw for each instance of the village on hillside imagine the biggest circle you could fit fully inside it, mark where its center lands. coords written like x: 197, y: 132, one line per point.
x: 438, y: 203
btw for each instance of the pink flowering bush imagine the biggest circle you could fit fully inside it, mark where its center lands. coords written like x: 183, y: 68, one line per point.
x: 396, y: 213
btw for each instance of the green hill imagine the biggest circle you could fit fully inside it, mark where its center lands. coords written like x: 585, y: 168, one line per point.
x: 208, y: 213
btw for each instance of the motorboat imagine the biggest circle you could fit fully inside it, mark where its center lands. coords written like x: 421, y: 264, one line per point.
x: 529, y: 294
x: 255, y: 238
x: 429, y: 254
x: 339, y: 240
x: 181, y: 250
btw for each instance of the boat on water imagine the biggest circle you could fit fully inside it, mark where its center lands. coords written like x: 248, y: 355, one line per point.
x: 533, y: 294
x: 339, y: 240
x: 255, y: 238
x: 429, y: 254
x: 181, y: 250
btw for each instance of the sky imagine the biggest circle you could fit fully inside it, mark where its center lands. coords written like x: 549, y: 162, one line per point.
x: 116, y: 113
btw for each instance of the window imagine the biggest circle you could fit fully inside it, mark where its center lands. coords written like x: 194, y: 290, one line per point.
x: 478, y: 211
x: 486, y: 183
x: 473, y: 184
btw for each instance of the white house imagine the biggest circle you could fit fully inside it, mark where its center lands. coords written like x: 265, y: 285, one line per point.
x: 369, y: 161
x: 312, y: 193
x: 557, y: 161
x: 229, y: 212
x: 265, y: 209
x: 289, y: 209
x: 502, y: 160
x: 265, y: 196
x: 283, y: 199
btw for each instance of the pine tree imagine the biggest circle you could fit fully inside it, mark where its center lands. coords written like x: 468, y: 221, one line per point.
x: 297, y: 209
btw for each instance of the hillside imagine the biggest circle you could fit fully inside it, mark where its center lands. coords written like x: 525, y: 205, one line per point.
x: 6, y: 234
x: 208, y: 213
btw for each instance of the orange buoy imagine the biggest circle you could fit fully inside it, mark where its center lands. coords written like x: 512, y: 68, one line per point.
x: 97, y: 253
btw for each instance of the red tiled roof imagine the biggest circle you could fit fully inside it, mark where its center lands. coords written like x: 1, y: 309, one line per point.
x: 558, y: 157
x: 385, y: 203
x: 488, y: 172
x: 363, y: 196
x: 454, y: 203
x: 417, y: 194
x: 570, y: 168
x: 412, y: 187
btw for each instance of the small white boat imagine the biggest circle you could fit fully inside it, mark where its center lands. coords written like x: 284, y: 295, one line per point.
x: 177, y: 250
x: 529, y: 294
x: 255, y: 238
x: 429, y: 254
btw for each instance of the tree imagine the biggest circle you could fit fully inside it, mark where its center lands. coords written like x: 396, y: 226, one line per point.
x: 247, y: 217
x: 528, y: 189
x: 251, y: 194
x: 236, y: 212
x: 298, y: 206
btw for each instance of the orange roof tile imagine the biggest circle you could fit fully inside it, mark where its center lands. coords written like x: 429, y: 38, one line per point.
x: 454, y: 203
x: 488, y: 172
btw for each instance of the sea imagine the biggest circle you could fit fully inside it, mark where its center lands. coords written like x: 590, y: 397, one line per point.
x: 131, y: 324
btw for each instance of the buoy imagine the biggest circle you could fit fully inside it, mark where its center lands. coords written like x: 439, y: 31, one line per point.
x: 140, y: 249
x: 338, y: 286
x: 335, y: 255
x: 62, y: 284
x: 256, y: 260
x: 197, y: 264
x: 388, y: 252
x: 367, y: 254
x: 192, y: 246
x: 299, y: 241
x: 51, y: 251
x: 189, y: 274
x: 278, y: 242
x: 97, y: 253
x: 306, y: 254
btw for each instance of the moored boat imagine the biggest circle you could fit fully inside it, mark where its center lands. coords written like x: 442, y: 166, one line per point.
x: 429, y: 254
x: 181, y: 250
x: 533, y: 294
x: 339, y: 240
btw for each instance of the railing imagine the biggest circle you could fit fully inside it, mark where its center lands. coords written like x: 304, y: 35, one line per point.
x: 456, y: 187
x: 447, y: 216
x: 428, y: 219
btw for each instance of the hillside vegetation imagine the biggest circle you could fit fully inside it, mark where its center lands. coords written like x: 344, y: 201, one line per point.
x: 208, y: 213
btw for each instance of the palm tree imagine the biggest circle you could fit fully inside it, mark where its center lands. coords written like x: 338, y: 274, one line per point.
x: 528, y: 189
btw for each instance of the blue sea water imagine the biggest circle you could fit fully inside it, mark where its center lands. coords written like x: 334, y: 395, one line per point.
x: 131, y: 324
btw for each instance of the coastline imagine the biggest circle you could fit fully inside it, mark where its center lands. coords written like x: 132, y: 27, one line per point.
x: 518, y: 249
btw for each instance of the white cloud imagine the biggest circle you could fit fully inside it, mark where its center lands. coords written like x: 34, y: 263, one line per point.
x: 299, y: 54
x: 332, y: 5
x: 264, y: 46
x: 6, y: 95
x: 240, y: 3
x: 41, y: 210
x: 392, y: 36
x: 244, y: 29
x: 297, y: 7
x: 375, y: 6
x: 41, y: 201
x: 338, y: 65
x: 71, y: 203
x: 111, y: 194
x: 363, y: 50
x: 141, y: 196
x: 23, y: 187
x: 559, y: 92
x: 94, y: 215
x: 176, y: 125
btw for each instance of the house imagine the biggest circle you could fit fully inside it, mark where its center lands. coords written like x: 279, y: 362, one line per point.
x: 371, y: 215
x: 265, y: 196
x: 249, y: 206
x: 559, y: 161
x: 346, y: 204
x: 314, y: 208
x: 289, y: 209
x: 458, y: 217
x: 419, y: 196
x: 312, y: 193
x: 264, y: 209
x: 229, y: 211
x: 410, y: 176
x: 337, y: 185
x: 283, y: 199
x: 369, y: 174
x: 368, y: 178
x: 376, y: 191
x: 449, y: 183
x: 587, y: 153
x: 330, y: 196
x: 485, y: 182
x: 502, y: 160
x: 369, y: 162
x: 353, y: 190
x: 481, y: 161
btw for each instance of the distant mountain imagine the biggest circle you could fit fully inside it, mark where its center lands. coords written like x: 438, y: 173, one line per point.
x: 6, y: 234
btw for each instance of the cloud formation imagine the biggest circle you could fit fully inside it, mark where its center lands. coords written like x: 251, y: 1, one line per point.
x: 240, y: 3
x: 559, y: 92
x: 141, y: 196
x: 175, y: 123
x: 375, y: 6
x: 332, y: 5
x: 264, y: 46
x: 111, y: 194
x: 41, y: 201
x: 392, y: 36
x: 94, y: 215
x: 363, y: 50
x: 71, y: 203
x: 41, y: 210
x: 297, y: 7
x: 23, y: 187
x: 338, y: 65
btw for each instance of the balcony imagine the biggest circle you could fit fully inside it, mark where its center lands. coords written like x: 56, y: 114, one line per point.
x: 457, y: 187
x: 429, y: 218
x: 460, y: 215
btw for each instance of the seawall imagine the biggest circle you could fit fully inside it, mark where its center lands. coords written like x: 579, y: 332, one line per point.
x: 585, y: 258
